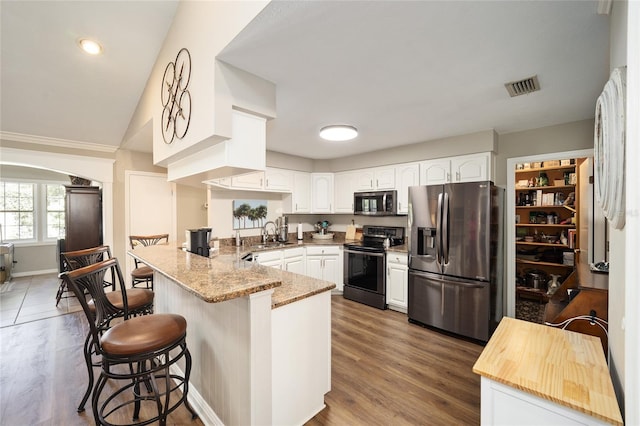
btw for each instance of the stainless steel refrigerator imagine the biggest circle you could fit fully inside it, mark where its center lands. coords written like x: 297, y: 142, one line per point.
x: 456, y: 257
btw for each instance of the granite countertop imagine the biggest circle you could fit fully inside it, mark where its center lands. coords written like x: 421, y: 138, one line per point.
x: 227, y: 276
x: 557, y: 365
x: 336, y: 241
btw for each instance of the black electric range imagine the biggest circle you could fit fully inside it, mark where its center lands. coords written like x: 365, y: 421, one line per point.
x: 364, y: 265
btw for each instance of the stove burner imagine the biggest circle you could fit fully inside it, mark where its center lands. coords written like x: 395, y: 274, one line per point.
x: 373, y: 238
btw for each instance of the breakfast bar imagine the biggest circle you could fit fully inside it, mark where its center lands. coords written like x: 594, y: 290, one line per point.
x: 260, y: 338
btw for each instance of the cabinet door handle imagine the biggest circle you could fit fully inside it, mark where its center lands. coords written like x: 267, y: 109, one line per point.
x: 448, y: 177
x: 377, y: 183
x: 267, y: 183
x: 457, y: 176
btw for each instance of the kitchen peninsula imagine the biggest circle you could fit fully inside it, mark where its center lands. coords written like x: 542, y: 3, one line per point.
x: 260, y: 338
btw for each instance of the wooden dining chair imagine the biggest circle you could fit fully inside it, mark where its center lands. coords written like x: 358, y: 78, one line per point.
x: 142, y: 274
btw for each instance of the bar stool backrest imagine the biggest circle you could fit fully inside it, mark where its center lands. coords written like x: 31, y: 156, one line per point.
x: 89, y: 279
x: 147, y: 240
x: 77, y: 259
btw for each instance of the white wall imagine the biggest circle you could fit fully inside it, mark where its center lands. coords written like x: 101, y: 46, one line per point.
x: 483, y: 141
x: 617, y: 238
x: 218, y: 23
x: 632, y: 227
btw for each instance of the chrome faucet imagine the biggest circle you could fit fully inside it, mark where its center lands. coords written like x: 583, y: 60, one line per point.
x: 265, y: 232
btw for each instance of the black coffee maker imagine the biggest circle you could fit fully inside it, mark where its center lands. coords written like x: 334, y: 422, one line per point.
x: 199, y: 241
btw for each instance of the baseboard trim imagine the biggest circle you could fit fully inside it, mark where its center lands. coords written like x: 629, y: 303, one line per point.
x: 30, y: 273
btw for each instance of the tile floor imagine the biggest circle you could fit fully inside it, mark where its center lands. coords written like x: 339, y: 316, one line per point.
x: 26, y: 299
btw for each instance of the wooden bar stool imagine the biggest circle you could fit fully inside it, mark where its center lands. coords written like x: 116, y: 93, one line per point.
x: 139, y: 350
x: 142, y: 274
x: 139, y: 301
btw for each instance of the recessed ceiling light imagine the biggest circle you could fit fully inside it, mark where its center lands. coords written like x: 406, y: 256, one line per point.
x: 89, y: 46
x: 338, y: 132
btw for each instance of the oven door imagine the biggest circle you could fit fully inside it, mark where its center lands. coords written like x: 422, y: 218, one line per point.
x: 364, y: 270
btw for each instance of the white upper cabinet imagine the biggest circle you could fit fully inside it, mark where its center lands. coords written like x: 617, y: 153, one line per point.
x: 471, y: 168
x: 385, y: 178
x: 406, y: 175
x: 272, y: 179
x: 379, y: 178
x: 278, y: 180
x: 463, y: 168
x: 301, y: 196
x: 248, y: 181
x: 434, y: 172
x: 321, y: 192
x: 344, y: 188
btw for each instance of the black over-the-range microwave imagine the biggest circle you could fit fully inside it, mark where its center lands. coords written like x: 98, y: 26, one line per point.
x: 377, y: 203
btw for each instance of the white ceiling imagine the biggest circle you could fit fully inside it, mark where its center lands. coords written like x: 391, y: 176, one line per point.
x: 401, y: 72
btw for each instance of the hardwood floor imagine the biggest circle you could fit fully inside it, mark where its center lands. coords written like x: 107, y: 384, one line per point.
x: 385, y: 371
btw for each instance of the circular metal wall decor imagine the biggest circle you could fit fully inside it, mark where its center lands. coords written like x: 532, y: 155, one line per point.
x: 176, y: 99
x: 609, y: 143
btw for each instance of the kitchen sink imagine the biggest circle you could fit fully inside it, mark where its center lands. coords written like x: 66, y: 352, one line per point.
x: 272, y: 245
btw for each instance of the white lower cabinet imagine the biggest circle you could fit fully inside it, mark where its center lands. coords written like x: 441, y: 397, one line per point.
x: 272, y: 258
x: 321, y: 262
x: 503, y: 405
x: 397, y: 281
x: 325, y: 263
x: 294, y: 261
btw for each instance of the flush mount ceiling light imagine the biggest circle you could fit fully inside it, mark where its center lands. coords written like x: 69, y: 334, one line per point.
x: 338, y: 132
x: 89, y: 46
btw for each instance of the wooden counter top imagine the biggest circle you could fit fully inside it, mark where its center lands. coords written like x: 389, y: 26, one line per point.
x: 227, y: 276
x: 557, y: 365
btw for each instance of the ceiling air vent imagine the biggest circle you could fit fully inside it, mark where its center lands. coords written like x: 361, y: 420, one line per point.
x: 522, y: 87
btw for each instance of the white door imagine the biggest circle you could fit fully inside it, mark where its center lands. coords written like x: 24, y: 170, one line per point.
x: 150, y: 208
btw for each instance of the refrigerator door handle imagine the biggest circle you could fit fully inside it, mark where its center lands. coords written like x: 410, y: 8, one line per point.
x: 445, y: 229
x: 442, y: 299
x: 441, y: 279
x: 439, y: 230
